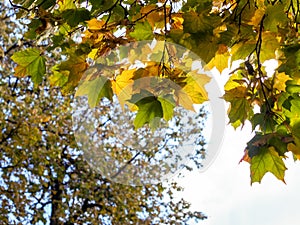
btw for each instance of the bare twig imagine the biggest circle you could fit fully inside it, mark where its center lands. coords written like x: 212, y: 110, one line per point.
x: 18, y: 6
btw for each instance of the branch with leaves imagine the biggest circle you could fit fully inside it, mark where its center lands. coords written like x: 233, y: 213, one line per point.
x: 219, y: 32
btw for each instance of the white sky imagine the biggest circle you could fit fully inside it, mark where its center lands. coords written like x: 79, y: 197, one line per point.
x: 223, y: 192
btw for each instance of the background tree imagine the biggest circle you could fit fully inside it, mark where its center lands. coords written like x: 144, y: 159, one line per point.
x: 44, y: 178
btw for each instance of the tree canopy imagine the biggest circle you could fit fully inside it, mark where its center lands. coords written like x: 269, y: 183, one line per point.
x: 79, y: 34
x: 44, y: 176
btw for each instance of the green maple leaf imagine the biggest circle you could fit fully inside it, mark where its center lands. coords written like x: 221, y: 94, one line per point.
x: 31, y: 60
x: 95, y: 90
x: 75, y: 16
x: 100, y: 5
x: 150, y: 109
x: 293, y: 88
x: 142, y: 31
x: 291, y: 65
x: 276, y: 140
x: 294, y: 112
x: 267, y: 160
x: 276, y: 15
x: 167, y: 103
x: 204, y: 45
x: 194, y: 22
x: 58, y: 79
x: 240, y: 107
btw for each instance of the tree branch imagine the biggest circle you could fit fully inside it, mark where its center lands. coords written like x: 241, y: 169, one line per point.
x: 18, y: 6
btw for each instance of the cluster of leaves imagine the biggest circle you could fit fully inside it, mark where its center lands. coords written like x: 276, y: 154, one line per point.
x: 219, y: 31
x: 153, y: 88
x: 44, y: 178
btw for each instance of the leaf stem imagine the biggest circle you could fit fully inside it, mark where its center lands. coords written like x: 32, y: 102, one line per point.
x: 18, y: 6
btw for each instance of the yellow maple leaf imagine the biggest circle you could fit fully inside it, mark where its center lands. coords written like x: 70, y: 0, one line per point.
x: 95, y: 24
x: 66, y: 4
x: 155, y: 17
x: 151, y: 69
x: 294, y: 149
x: 256, y: 19
x: 279, y: 82
x: 221, y: 59
x: 123, y: 87
x: 93, y: 53
x: 177, y: 21
x: 183, y: 99
x: 194, y: 87
x: 235, y: 80
x: 122, y: 80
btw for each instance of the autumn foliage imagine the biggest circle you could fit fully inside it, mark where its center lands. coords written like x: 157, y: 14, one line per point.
x: 220, y: 32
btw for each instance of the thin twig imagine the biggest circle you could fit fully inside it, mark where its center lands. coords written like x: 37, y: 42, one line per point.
x: 126, y: 164
x: 18, y: 6
x: 260, y: 73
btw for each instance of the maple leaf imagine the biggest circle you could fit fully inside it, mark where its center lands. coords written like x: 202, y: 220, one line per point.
x: 296, y: 136
x: 57, y: 78
x: 245, y: 157
x: 275, y: 16
x: 142, y: 31
x: 95, y: 24
x: 239, y: 105
x: 266, y: 121
x: 183, y: 99
x: 258, y: 15
x: 194, y: 22
x: 293, y: 112
x: 276, y: 140
x: 122, y: 86
x: 235, y: 80
x: 267, y: 160
x: 279, y: 82
x: 20, y: 71
x: 194, y: 87
x: 156, y: 17
x: 207, y: 42
x: 66, y: 4
x: 151, y: 70
x: 269, y: 46
x: 95, y: 89
x: 31, y: 61
x: 167, y: 104
x: 149, y: 109
x: 220, y: 60
x: 294, y: 149
x: 241, y: 50
x: 122, y: 80
x: 74, y: 68
x: 177, y: 21
x: 75, y: 16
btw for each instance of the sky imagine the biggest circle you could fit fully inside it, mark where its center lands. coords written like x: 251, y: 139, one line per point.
x: 224, y: 193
